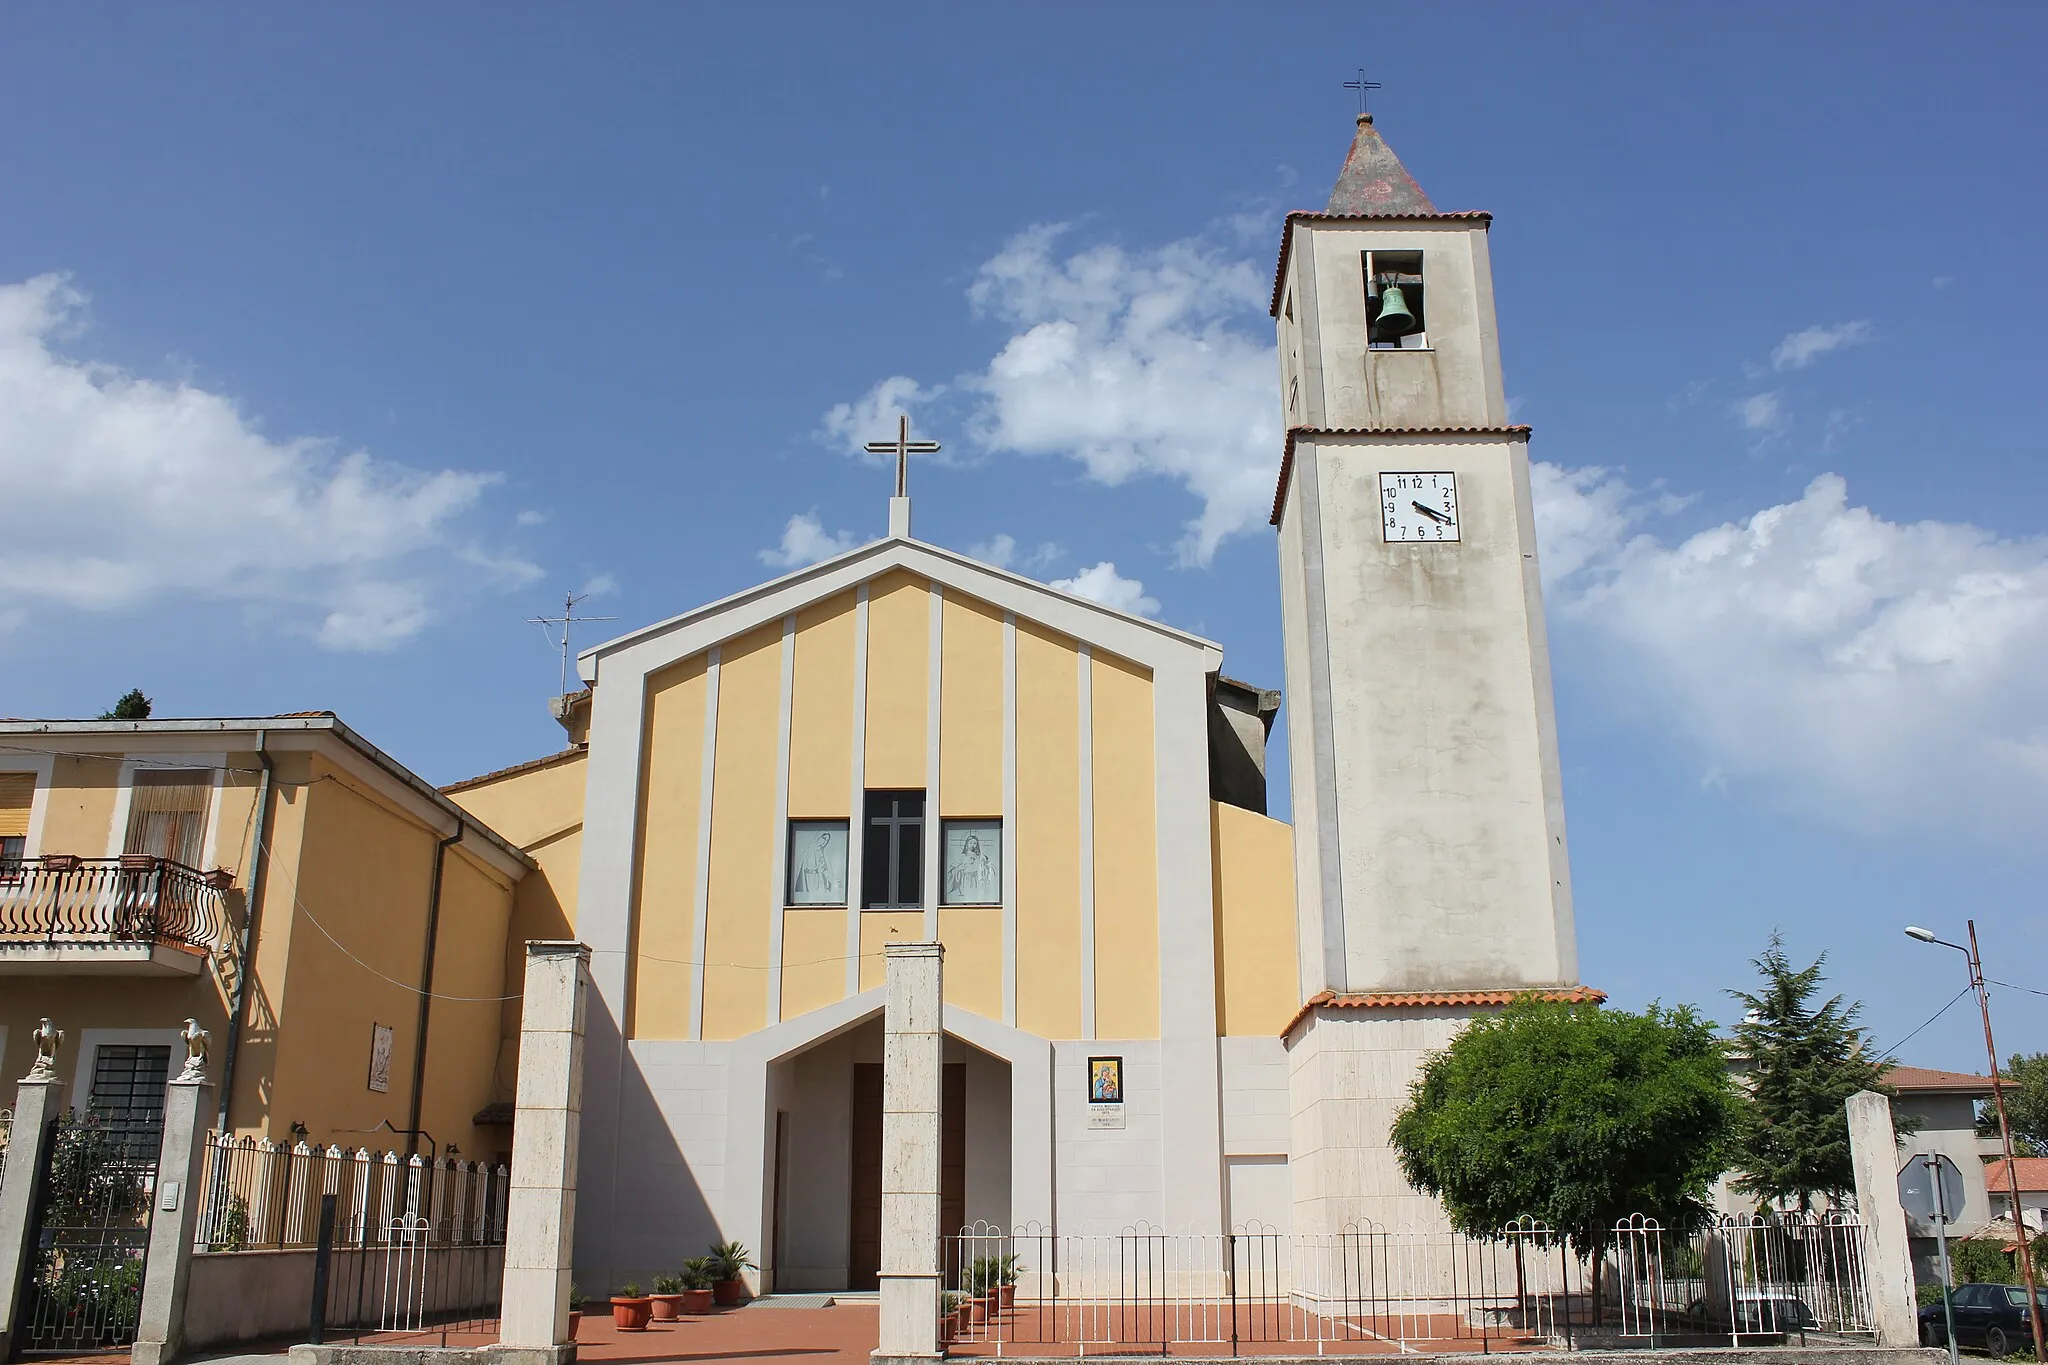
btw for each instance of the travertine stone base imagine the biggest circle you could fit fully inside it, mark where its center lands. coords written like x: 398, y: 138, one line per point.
x: 913, y: 1046
x: 160, y: 1328
x: 540, y: 1219
x: 1888, y: 1257
x: 36, y: 1103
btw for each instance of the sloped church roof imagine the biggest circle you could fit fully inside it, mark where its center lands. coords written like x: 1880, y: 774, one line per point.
x: 1374, y: 181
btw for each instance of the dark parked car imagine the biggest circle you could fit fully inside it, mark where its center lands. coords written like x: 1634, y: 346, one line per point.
x: 1993, y: 1316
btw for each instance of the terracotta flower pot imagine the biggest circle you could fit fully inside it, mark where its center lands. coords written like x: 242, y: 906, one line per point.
x: 666, y: 1306
x: 575, y: 1322
x: 1006, y: 1296
x: 962, y: 1321
x: 726, y: 1293
x: 696, y: 1301
x: 631, y: 1315
x: 976, y: 1311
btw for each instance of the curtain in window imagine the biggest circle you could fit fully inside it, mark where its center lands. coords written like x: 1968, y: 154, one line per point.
x: 167, y: 817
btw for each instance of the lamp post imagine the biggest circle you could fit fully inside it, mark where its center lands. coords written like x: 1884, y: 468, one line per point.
x: 2019, y: 1218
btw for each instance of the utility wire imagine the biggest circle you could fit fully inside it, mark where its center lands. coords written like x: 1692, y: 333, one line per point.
x: 1893, y: 1050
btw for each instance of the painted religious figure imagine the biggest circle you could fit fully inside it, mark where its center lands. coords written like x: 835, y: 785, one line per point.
x: 817, y: 862
x: 1105, y: 1080
x: 380, y: 1057
x: 974, y: 870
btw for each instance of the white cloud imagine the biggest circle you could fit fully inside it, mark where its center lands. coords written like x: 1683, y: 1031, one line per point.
x: 1131, y: 363
x: 1761, y: 412
x: 530, y: 517
x: 1878, y: 675
x: 804, y: 541
x: 601, y: 585
x: 1800, y: 349
x: 873, y: 416
x: 122, y: 490
x: 1104, y: 584
x: 1001, y: 551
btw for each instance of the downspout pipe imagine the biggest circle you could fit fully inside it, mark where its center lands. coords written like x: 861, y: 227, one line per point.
x: 259, y: 866
x: 419, y: 1052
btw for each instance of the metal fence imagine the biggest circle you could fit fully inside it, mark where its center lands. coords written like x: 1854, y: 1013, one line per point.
x: 1745, y: 1281
x: 265, y: 1196
x: 83, y: 1283
x: 62, y: 899
x: 405, y: 1281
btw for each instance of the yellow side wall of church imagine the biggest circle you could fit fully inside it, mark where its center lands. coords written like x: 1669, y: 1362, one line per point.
x: 665, y: 908
x: 970, y: 710
x: 821, y: 713
x: 813, y: 959
x: 974, y: 960
x: 1126, y: 852
x: 1257, y: 986
x: 744, y: 824
x: 1048, y: 834
x: 899, y: 648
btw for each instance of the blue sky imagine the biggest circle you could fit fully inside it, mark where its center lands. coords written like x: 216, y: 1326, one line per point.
x: 334, y: 343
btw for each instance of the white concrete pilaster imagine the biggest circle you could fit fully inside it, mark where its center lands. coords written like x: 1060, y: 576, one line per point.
x: 540, y: 1226
x: 912, y: 1056
x: 856, y: 820
x: 37, y: 1102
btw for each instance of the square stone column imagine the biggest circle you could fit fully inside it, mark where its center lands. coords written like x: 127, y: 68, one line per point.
x: 1887, y: 1255
x: 540, y: 1219
x: 912, y: 1050
x: 36, y: 1105
x: 180, y: 1167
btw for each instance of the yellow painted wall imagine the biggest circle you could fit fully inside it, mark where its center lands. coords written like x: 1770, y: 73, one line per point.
x: 463, y: 1034
x: 744, y: 835
x: 672, y: 786
x: 1048, y: 835
x: 899, y: 651
x: 970, y: 709
x: 1257, y: 988
x: 813, y: 959
x: 821, y: 712
x: 80, y: 811
x: 1126, y: 852
x: 974, y: 959
x: 256, y: 1068
x: 878, y: 929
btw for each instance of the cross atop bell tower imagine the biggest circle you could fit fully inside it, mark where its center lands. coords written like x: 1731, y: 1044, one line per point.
x: 902, y: 448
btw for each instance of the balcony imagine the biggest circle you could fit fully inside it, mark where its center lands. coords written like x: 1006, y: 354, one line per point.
x: 130, y: 916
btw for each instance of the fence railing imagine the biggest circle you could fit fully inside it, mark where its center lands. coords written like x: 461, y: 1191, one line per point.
x: 404, y: 1282
x: 265, y: 1196
x: 64, y: 900
x: 1744, y: 1280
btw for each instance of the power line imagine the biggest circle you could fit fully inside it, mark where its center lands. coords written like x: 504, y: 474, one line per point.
x: 1893, y: 1050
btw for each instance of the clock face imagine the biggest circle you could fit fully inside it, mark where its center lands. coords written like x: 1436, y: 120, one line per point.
x: 1419, y: 506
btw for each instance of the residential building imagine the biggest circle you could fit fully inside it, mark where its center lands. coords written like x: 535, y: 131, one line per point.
x: 284, y: 882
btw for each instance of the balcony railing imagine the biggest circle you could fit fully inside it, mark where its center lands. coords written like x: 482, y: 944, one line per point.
x: 63, y: 901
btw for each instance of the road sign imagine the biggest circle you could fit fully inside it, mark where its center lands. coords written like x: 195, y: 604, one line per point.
x: 1931, y: 1188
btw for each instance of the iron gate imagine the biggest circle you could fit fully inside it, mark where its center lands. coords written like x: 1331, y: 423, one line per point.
x: 93, y: 1197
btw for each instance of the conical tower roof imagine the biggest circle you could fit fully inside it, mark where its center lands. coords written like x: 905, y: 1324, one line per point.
x: 1374, y: 181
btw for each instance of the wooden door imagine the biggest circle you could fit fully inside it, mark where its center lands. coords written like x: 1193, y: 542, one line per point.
x: 864, y: 1256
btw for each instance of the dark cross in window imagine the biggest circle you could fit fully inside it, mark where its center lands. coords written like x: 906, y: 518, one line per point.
x: 895, y: 877
x: 903, y: 448
x: 1361, y: 85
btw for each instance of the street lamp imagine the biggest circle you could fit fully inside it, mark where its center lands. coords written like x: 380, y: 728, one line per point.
x: 2019, y: 1217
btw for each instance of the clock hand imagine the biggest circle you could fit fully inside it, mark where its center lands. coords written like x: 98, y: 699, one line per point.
x: 1431, y: 513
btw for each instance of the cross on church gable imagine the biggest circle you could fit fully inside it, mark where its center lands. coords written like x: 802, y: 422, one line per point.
x: 903, y: 448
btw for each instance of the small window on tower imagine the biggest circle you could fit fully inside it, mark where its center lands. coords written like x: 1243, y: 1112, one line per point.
x: 1394, y: 301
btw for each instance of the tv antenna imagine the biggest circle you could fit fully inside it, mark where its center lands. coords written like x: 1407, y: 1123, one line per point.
x: 566, y: 620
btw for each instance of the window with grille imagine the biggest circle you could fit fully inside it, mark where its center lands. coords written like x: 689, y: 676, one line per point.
x: 167, y: 816
x: 128, y: 1085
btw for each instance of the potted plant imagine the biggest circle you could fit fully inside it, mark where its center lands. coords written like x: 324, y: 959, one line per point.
x: 729, y: 1261
x: 631, y: 1309
x: 575, y: 1310
x: 696, y: 1279
x: 1006, y: 1281
x: 667, y: 1297
x: 954, y: 1318
x: 983, y: 1274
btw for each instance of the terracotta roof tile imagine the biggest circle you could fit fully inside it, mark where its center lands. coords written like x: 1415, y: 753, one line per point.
x: 1408, y: 1000
x: 1287, y: 454
x: 1921, y: 1079
x: 301, y: 715
x: 2033, y: 1172
x: 531, y: 765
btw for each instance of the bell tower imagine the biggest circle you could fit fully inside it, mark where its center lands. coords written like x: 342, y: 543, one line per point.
x: 1430, y: 862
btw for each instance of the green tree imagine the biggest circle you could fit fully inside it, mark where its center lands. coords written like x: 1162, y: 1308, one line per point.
x: 1573, y: 1115
x: 1804, y: 1064
x: 132, y: 706
x: 2026, y: 1104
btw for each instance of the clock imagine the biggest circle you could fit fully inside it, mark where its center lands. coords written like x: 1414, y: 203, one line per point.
x: 1419, y: 506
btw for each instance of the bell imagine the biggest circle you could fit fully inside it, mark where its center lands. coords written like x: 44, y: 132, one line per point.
x: 1394, y: 320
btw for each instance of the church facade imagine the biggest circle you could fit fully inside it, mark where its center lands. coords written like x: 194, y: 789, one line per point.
x: 1163, y: 1007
